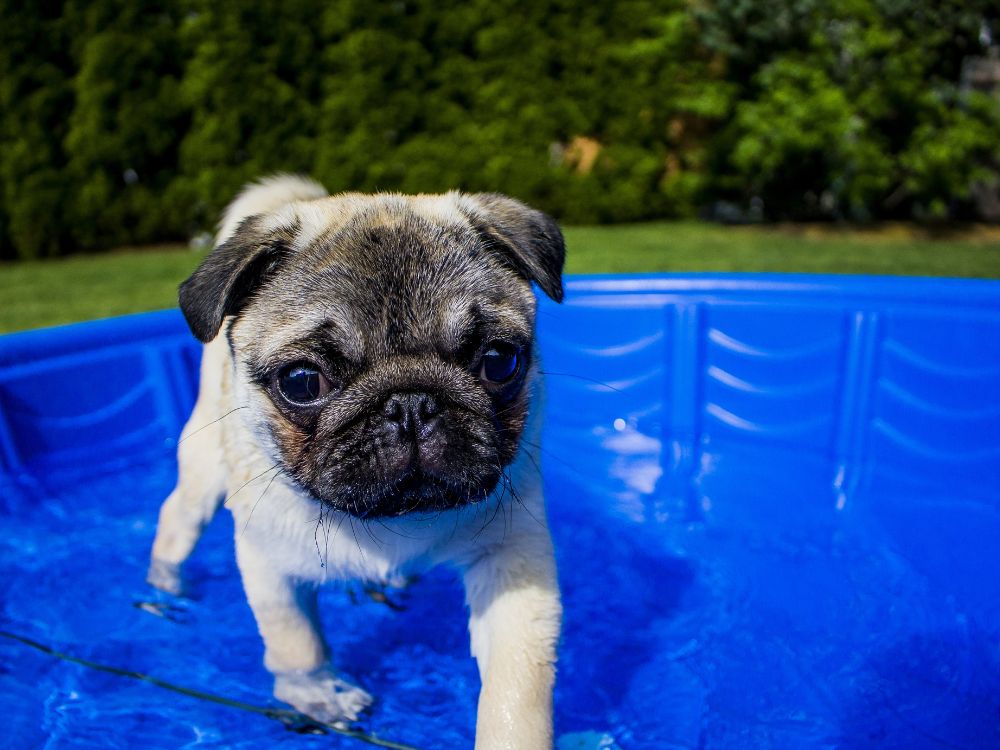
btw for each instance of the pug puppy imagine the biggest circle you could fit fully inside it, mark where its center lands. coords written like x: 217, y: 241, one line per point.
x: 370, y: 362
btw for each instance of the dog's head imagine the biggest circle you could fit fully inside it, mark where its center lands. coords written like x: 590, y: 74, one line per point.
x: 384, y: 344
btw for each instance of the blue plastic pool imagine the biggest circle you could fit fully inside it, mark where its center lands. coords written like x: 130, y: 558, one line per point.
x: 775, y: 501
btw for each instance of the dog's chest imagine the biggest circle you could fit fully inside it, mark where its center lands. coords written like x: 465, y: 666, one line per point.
x: 308, y: 541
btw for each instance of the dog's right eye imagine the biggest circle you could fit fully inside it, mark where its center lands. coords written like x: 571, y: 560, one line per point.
x: 302, y: 383
x: 500, y: 363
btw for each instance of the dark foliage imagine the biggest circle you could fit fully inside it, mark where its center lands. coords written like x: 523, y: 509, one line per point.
x: 126, y: 123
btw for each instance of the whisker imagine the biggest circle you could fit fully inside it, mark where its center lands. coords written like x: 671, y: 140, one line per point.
x: 508, y: 514
x: 252, y: 479
x: 391, y: 530
x: 354, y: 533
x: 520, y: 502
x: 534, y: 462
x: 582, y: 377
x: 553, y: 456
x: 458, y: 515
x: 506, y: 409
x: 192, y: 434
x: 336, y: 533
x: 504, y: 488
x: 321, y: 522
x: 490, y: 520
x: 367, y: 527
x: 326, y: 538
x: 266, y: 488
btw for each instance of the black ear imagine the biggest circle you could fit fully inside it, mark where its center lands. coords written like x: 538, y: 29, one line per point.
x: 528, y: 239
x: 223, y: 282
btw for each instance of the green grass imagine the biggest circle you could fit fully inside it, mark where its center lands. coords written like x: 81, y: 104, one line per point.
x: 692, y: 246
x: 93, y: 286
x: 84, y: 287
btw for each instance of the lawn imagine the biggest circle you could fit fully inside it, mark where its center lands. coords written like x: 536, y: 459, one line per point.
x: 84, y: 287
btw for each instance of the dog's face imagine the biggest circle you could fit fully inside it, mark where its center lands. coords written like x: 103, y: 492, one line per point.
x: 384, y: 344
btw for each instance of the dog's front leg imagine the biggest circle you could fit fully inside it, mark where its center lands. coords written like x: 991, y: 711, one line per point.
x: 294, y: 649
x: 190, y: 507
x: 513, y: 596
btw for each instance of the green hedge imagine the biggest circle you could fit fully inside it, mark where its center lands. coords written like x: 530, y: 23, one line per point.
x: 124, y: 122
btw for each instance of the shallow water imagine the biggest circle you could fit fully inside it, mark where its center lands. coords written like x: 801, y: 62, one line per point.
x: 747, y: 615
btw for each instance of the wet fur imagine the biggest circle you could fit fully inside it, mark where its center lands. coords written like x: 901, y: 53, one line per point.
x: 391, y: 293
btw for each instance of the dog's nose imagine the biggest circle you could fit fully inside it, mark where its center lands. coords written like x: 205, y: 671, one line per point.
x: 413, y: 415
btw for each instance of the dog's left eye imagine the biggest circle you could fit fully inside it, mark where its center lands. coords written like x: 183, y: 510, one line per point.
x: 301, y: 383
x: 500, y: 362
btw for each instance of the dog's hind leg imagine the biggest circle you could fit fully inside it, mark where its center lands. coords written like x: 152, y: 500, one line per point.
x: 201, y: 485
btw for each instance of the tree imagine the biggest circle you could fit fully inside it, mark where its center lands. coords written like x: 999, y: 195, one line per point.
x: 35, y: 99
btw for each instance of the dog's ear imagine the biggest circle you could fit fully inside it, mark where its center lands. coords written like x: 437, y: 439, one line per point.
x: 224, y: 281
x: 529, y: 240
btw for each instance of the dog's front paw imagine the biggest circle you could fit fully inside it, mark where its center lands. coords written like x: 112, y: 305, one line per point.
x: 322, y: 696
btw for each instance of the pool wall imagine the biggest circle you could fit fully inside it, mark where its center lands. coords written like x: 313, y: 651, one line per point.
x: 886, y: 378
